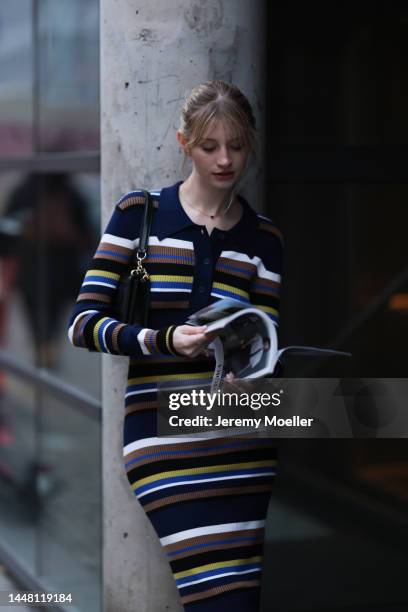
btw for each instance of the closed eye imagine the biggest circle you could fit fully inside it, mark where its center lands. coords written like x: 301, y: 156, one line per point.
x: 209, y: 148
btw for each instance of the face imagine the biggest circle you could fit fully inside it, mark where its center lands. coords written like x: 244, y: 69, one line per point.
x: 219, y: 159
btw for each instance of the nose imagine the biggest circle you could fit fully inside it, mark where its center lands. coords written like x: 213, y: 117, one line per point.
x: 224, y: 159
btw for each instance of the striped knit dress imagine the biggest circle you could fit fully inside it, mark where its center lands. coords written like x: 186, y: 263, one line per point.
x: 207, y: 499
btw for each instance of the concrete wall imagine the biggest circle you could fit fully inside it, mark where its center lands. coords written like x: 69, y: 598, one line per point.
x: 152, y: 53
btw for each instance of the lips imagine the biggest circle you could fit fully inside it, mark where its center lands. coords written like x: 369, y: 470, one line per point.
x: 224, y: 174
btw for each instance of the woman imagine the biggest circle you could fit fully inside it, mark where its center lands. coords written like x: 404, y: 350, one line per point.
x: 206, y: 498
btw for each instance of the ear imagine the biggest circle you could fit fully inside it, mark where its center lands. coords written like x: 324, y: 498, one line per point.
x: 183, y: 143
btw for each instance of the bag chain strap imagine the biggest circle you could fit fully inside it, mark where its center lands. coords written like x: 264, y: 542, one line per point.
x: 140, y: 270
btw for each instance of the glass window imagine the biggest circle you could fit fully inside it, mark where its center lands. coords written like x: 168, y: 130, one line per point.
x: 68, y: 75
x: 69, y: 533
x: 50, y: 482
x: 20, y: 468
x: 19, y: 299
x: 68, y: 259
x: 68, y: 220
x: 49, y: 229
x: 16, y: 82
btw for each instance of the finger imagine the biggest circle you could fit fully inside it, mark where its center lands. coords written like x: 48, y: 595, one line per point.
x: 193, y: 344
x: 189, y: 330
x: 197, y: 340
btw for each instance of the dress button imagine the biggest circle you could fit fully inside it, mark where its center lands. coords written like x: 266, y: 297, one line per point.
x: 202, y: 231
x: 201, y: 289
x: 207, y: 260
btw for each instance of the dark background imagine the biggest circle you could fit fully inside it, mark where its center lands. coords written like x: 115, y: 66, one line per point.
x: 337, y: 144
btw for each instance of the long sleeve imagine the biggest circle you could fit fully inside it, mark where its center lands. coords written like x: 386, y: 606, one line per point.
x: 265, y: 287
x: 92, y: 324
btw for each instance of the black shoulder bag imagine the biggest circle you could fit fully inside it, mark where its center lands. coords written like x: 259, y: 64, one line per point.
x: 131, y: 302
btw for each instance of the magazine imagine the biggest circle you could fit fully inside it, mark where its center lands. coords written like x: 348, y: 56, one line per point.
x: 245, y: 341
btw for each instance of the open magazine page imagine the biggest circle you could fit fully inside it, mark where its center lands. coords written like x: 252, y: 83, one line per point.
x: 220, y: 309
x: 246, y: 342
x: 310, y: 351
x: 249, y: 343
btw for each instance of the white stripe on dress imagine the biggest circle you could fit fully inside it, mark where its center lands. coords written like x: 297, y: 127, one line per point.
x: 113, y: 322
x: 81, y: 314
x: 140, y: 337
x: 262, y: 272
x: 118, y: 241
x: 169, y: 289
x: 153, y: 390
x: 169, y: 242
x: 210, y: 529
x: 147, y: 442
x: 239, y: 572
x: 186, y: 482
x: 238, y: 256
x: 98, y: 283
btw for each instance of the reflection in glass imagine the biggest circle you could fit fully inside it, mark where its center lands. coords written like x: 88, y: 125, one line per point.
x: 15, y: 331
x: 69, y: 75
x: 49, y: 231
x: 70, y: 363
x: 16, y: 52
x: 20, y: 469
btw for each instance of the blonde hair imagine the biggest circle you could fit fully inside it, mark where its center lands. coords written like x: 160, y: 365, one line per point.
x: 214, y: 100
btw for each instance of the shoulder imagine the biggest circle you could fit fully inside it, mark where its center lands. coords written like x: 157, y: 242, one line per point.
x: 126, y: 217
x: 134, y: 200
x: 269, y: 244
x: 267, y: 227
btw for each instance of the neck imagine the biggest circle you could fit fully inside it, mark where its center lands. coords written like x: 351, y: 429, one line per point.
x: 209, y: 199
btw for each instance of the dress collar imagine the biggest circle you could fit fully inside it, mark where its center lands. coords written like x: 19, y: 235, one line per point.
x: 172, y: 218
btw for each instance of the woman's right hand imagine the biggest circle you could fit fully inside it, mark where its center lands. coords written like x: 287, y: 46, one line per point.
x: 189, y: 340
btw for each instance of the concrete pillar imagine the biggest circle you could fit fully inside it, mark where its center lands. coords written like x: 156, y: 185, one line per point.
x: 152, y: 53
